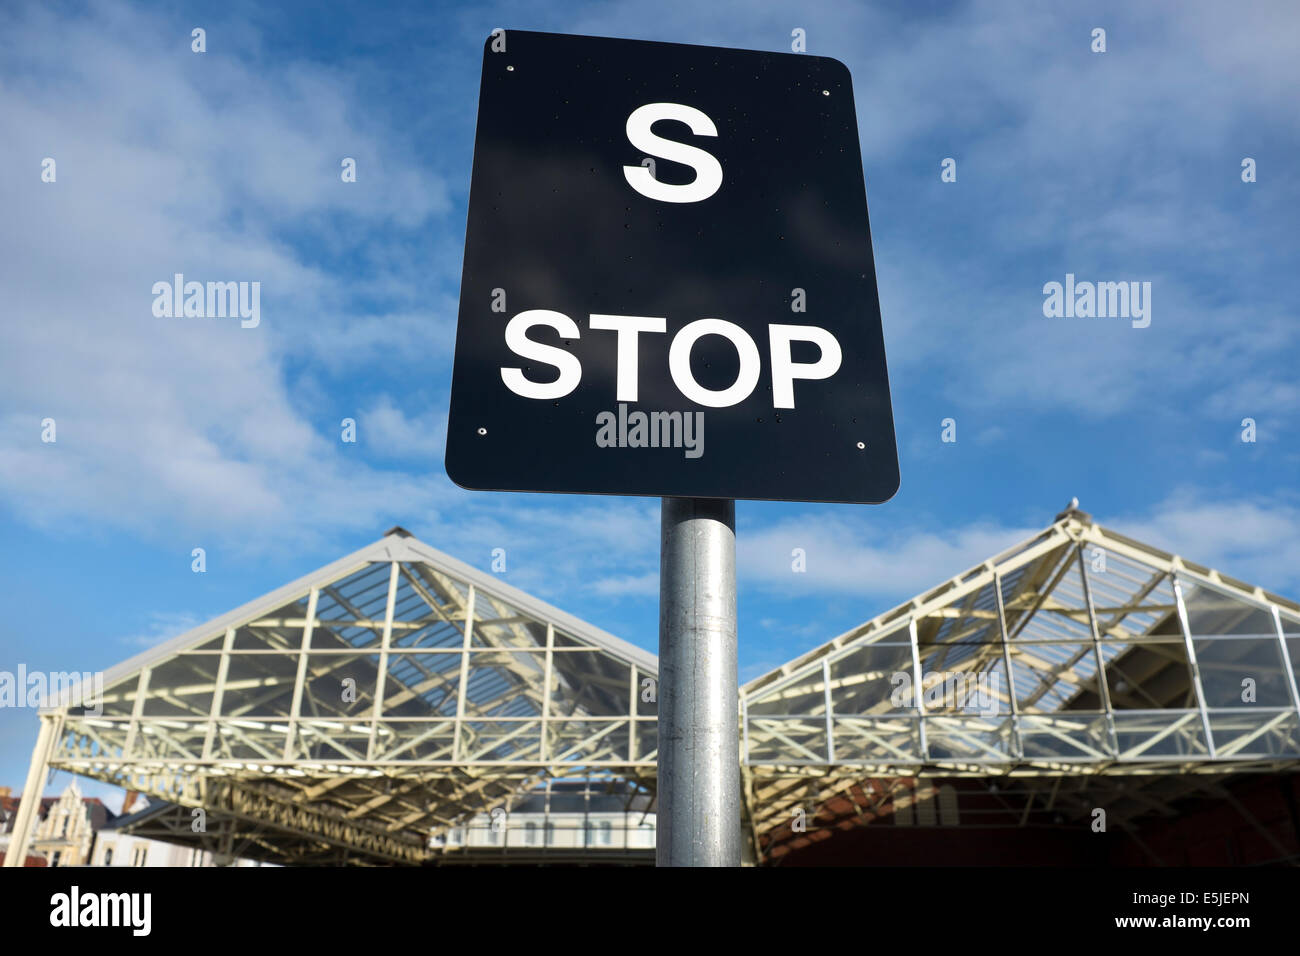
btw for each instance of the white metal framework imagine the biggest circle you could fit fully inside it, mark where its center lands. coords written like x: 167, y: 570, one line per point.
x: 1077, y: 654
x: 367, y: 710
x: 359, y: 712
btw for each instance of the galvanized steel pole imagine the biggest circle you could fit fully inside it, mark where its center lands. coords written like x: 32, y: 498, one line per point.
x: 699, y: 745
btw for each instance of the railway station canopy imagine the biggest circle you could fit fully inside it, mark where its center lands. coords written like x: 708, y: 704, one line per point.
x: 364, y: 712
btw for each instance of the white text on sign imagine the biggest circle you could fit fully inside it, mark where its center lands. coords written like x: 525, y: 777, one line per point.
x: 628, y: 329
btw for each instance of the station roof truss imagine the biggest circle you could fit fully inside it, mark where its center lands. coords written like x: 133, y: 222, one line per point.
x: 354, y: 714
x: 1198, y: 681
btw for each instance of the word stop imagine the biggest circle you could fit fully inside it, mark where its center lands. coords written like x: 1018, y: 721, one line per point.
x: 628, y: 329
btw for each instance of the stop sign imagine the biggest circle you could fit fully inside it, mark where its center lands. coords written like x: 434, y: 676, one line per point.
x: 668, y: 286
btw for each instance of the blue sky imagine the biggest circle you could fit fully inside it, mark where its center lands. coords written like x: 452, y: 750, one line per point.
x: 1123, y: 165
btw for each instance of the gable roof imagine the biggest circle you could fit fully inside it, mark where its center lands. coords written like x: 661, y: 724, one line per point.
x: 356, y: 702
x: 1077, y: 651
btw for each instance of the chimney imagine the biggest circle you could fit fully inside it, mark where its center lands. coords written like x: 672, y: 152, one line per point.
x: 128, y: 801
x: 6, y: 791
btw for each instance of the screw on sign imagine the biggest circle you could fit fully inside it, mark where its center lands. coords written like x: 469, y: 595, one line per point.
x: 669, y: 290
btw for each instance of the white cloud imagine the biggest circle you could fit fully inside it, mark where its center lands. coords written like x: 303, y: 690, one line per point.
x: 388, y: 433
x: 1253, y: 539
x: 174, y: 162
x: 858, y: 557
x: 600, y: 546
x: 169, y: 162
x: 639, y: 585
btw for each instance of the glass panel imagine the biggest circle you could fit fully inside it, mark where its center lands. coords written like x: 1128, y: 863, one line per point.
x: 351, y: 612
x: 1061, y: 618
x: 1011, y: 584
x: 332, y: 740
x: 1235, y: 671
x: 428, y: 632
x: 787, y: 740
x: 1211, y: 612
x: 428, y: 609
x: 1131, y: 601
x: 182, y: 686
x: 212, y: 644
x: 972, y: 620
x: 259, y: 684
x: 498, y: 624
x: 339, y: 685
x: 804, y: 696
x: 417, y: 741
x: 1148, y: 676
x: 568, y: 798
x: 1259, y: 733
x: 590, y: 682
x: 864, y: 681
x: 1081, y: 736
x: 246, y: 739
x: 108, y: 741
x: 421, y: 685
x: 171, y: 740
x: 501, y: 740
x: 978, y: 688
x: 119, y: 697
x: 532, y: 803
x: 1143, y: 736
x: 586, y: 741
x: 1018, y: 594
x: 505, y: 683
x: 435, y: 589
x: 973, y: 738
x: 895, y: 738
x: 281, y: 629
x: 1050, y: 677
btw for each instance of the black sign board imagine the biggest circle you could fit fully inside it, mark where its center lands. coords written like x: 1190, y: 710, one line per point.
x: 669, y: 287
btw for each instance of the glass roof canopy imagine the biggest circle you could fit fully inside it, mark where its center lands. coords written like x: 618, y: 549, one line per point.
x: 356, y: 704
x: 1194, y: 667
x: 1198, y: 675
x: 352, y: 714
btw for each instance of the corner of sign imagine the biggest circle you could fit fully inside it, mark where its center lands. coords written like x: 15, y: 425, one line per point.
x: 838, y: 66
x: 896, y: 483
x: 447, y: 467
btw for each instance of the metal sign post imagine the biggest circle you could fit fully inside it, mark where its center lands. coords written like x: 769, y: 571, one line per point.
x: 699, y: 759
x: 669, y: 291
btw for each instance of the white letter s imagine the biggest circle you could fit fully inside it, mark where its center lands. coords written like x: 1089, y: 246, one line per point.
x: 518, y: 342
x: 708, y: 171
